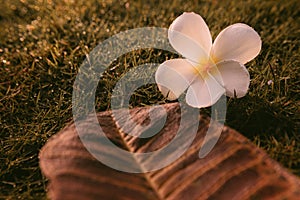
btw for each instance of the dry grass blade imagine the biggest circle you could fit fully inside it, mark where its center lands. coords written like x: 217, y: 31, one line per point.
x: 234, y: 169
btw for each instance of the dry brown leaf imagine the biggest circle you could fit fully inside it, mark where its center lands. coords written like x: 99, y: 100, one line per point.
x: 234, y: 169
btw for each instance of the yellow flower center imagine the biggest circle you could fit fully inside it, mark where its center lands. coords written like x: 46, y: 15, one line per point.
x: 204, y: 67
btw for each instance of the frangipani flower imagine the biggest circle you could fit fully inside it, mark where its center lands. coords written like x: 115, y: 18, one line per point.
x: 209, y: 70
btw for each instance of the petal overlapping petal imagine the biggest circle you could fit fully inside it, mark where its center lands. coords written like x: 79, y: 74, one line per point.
x: 174, y: 77
x: 190, y: 36
x: 204, y: 92
x: 237, y: 42
x: 233, y: 76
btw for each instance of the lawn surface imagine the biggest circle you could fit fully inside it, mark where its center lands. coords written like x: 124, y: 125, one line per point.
x: 44, y: 42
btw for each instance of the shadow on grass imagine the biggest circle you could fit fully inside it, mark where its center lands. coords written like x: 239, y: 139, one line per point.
x: 254, y: 116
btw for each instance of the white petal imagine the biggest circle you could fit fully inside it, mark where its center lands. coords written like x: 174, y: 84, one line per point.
x: 234, y: 77
x: 190, y: 36
x: 237, y: 42
x: 173, y: 77
x: 204, y: 92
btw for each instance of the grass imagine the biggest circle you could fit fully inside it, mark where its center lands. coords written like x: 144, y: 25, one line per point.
x: 44, y: 42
